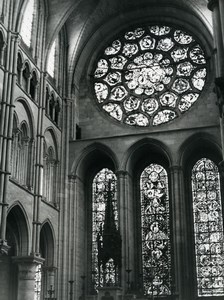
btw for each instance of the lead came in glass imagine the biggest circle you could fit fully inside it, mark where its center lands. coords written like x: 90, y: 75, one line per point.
x: 147, y: 63
x: 208, y: 228
x: 103, y: 181
x: 156, y: 252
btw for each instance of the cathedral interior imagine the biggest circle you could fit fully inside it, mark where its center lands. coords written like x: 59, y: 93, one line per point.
x: 111, y: 149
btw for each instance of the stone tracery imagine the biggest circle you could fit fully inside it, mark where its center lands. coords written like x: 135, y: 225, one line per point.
x: 150, y: 76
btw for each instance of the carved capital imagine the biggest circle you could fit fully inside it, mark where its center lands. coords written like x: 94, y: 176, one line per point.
x: 4, y: 247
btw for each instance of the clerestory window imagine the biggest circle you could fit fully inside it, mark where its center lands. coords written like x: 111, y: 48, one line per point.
x: 27, y: 23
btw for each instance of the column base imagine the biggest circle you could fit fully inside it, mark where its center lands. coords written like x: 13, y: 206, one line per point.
x: 109, y: 293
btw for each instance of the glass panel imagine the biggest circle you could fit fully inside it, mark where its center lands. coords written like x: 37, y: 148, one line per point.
x: 156, y: 252
x: 37, y: 288
x: 27, y: 23
x: 51, y: 60
x: 208, y: 228
x: 104, y: 182
x: 147, y: 69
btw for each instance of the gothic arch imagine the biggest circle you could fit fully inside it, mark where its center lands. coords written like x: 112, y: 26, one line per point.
x: 29, y: 114
x: 146, y: 149
x: 17, y: 221
x: 47, y: 243
x: 179, y: 14
x: 52, y: 140
x: 93, y: 158
x: 197, y: 145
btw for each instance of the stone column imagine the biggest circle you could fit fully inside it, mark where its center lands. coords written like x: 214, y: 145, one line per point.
x: 217, y: 7
x: 7, y: 110
x: 126, y: 229
x: 26, y: 276
x: 178, y: 220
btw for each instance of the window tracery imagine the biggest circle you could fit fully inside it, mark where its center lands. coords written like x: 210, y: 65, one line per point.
x: 155, y: 229
x: 150, y: 75
x: 105, y: 269
x: 208, y: 228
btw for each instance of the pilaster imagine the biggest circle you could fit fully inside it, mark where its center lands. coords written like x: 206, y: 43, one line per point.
x: 178, y: 222
x: 26, y: 277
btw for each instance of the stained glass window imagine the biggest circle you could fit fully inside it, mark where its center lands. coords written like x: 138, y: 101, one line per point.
x: 104, y: 189
x: 155, y: 229
x: 37, y: 288
x: 208, y: 228
x: 150, y: 75
x: 27, y: 23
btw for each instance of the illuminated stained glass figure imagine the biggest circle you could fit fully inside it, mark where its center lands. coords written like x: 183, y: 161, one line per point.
x: 106, y: 240
x: 155, y: 228
x: 150, y: 76
x: 208, y: 228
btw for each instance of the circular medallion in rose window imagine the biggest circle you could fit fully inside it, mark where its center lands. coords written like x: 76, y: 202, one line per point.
x: 150, y: 76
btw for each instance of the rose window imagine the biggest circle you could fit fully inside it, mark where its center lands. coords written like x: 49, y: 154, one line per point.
x: 150, y: 76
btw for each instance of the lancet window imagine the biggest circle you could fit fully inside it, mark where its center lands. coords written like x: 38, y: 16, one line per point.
x: 49, y: 174
x: 155, y: 231
x: 106, y: 240
x: 21, y: 153
x: 208, y: 228
x: 27, y: 23
x: 51, y: 60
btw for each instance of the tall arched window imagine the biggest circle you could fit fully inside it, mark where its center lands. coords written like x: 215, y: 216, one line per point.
x: 27, y: 23
x: 21, y: 153
x: 51, y: 60
x: 19, y: 68
x: 49, y: 174
x: 155, y: 230
x: 26, y: 77
x: 33, y: 85
x: 208, y: 228
x: 106, y: 241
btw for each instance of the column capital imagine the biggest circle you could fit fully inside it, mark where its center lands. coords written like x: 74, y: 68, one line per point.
x: 31, y: 259
x: 121, y: 173
x: 212, y: 4
x: 175, y: 168
x: 4, y: 247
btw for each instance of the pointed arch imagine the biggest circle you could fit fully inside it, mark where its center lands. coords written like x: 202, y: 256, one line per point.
x: 47, y: 243
x: 33, y: 85
x: 19, y: 66
x: 145, y: 150
x: 26, y: 76
x: 94, y: 157
x: 17, y: 223
x: 50, y: 166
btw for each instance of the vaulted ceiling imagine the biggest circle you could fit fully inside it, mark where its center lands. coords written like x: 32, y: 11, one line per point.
x: 90, y: 22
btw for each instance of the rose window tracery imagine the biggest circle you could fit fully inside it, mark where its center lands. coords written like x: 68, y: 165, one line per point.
x: 150, y: 76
